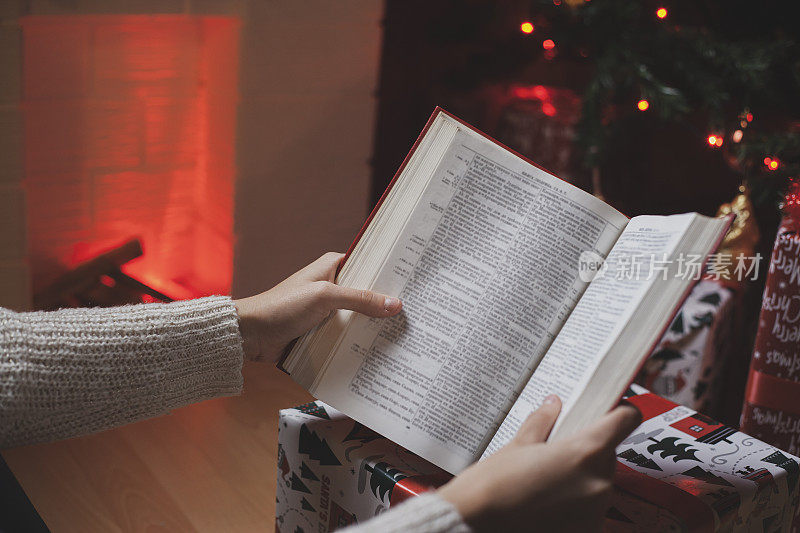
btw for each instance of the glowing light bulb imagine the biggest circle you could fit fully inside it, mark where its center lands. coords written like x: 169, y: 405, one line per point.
x: 548, y: 44
x: 712, y: 140
x: 540, y: 92
x: 526, y: 27
x: 643, y: 105
x: 749, y: 117
x: 737, y: 136
x: 661, y: 12
x: 548, y: 109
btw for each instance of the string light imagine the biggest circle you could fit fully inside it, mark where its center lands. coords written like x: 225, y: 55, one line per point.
x: 548, y: 44
x: 715, y: 140
x: 643, y: 105
x: 792, y: 197
x: 661, y: 12
x: 745, y: 118
x: 772, y: 163
x: 737, y: 136
x: 526, y: 27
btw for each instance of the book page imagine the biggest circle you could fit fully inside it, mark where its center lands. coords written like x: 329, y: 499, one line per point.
x: 488, y: 271
x: 606, y: 306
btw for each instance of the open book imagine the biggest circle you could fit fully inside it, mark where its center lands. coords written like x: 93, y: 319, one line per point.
x: 515, y: 284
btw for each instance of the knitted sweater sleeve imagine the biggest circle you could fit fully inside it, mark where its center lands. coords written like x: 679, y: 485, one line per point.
x: 76, y: 371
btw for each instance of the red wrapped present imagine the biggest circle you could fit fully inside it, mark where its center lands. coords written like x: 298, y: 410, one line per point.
x: 772, y: 398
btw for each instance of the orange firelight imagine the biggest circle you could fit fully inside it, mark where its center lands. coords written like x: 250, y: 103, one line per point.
x: 661, y: 12
x: 643, y: 105
x: 548, y: 44
x: 526, y: 27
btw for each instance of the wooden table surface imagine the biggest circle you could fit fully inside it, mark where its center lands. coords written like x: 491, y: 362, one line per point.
x: 206, y: 467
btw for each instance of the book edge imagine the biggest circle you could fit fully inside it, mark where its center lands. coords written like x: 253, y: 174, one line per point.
x: 679, y: 305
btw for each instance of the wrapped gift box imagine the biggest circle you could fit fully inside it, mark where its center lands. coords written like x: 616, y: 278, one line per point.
x: 687, y: 365
x: 679, y: 471
x: 683, y: 471
x: 334, y: 471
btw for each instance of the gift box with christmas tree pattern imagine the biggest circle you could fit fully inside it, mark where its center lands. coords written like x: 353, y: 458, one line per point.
x: 678, y: 471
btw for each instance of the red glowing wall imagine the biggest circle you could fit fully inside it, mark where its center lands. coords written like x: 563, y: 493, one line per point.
x: 129, y: 132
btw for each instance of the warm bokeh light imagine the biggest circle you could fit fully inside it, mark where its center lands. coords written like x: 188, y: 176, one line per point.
x: 538, y: 92
x: 715, y: 140
x: 643, y: 105
x: 737, y: 136
x: 548, y: 109
x: 772, y: 163
x: 661, y: 12
x: 749, y: 117
x: 526, y: 27
x: 548, y: 44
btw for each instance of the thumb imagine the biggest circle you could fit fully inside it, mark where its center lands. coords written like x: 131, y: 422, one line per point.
x: 363, y: 301
x: 537, y: 426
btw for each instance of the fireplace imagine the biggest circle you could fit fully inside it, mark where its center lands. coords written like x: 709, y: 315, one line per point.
x: 129, y: 127
x: 119, y: 121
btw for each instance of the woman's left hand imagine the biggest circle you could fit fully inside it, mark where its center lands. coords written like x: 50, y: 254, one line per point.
x: 271, y: 320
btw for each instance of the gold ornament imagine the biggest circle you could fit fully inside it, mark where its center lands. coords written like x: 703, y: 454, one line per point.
x: 742, y: 236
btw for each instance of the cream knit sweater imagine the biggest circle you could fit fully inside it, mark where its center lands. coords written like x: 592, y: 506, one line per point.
x: 77, y: 371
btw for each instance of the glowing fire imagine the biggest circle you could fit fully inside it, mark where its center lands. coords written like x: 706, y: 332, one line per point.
x: 129, y: 132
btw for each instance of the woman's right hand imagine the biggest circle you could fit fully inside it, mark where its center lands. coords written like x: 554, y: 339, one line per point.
x: 531, y: 484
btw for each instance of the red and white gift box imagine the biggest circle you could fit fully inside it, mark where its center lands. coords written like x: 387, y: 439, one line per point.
x: 679, y: 471
x: 334, y: 471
